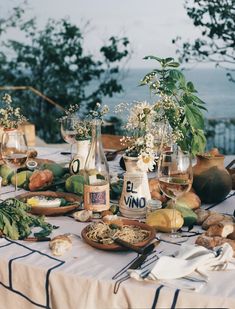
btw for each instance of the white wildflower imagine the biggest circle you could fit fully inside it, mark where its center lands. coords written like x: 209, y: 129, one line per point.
x: 146, y: 162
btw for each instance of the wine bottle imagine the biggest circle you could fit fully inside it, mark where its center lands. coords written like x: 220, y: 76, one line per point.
x: 96, y: 188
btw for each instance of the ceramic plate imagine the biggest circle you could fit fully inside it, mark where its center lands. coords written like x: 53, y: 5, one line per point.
x: 52, y: 211
x: 116, y: 247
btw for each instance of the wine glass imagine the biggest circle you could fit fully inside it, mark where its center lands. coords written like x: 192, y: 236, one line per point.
x: 68, y: 131
x: 160, y: 134
x: 175, y: 178
x: 14, y: 150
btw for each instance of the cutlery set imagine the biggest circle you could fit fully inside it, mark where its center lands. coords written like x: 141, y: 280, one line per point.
x: 146, y: 257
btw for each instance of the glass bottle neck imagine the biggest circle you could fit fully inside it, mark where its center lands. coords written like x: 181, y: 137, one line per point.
x: 96, y: 130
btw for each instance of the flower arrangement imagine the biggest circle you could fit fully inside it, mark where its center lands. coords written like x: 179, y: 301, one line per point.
x: 175, y: 117
x: 141, y: 132
x: 83, y: 126
x: 177, y: 104
x: 10, y: 117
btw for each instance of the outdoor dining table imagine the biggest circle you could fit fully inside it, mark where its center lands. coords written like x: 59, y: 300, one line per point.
x: 31, y: 277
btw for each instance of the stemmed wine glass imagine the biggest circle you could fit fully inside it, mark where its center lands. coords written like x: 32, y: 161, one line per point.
x: 175, y: 177
x: 162, y: 139
x: 68, y: 131
x: 14, y: 150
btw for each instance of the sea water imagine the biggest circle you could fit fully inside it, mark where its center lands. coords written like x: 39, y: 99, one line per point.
x: 212, y: 85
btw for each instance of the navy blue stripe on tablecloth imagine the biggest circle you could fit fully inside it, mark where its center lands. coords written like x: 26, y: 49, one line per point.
x: 10, y: 287
x: 156, y: 297
x: 10, y: 266
x: 173, y: 306
x: 6, y: 245
x: 47, y: 282
x: 24, y: 296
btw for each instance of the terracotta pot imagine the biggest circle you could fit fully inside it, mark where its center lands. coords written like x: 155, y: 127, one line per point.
x: 211, y: 180
x: 231, y: 169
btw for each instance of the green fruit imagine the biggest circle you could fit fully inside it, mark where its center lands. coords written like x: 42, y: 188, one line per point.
x: 22, y: 179
x: 75, y: 184
x: 57, y: 170
x: 6, y: 172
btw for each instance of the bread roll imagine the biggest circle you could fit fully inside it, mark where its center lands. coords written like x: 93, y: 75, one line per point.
x: 211, y: 242
x: 39, y: 179
x: 208, y: 242
x: 60, y: 244
x: 213, y: 218
x: 202, y: 215
x: 222, y: 229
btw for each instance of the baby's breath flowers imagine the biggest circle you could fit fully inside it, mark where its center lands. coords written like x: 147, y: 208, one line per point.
x: 140, y: 133
x: 70, y: 111
x: 83, y: 129
x: 10, y: 117
x: 83, y: 126
x: 99, y: 111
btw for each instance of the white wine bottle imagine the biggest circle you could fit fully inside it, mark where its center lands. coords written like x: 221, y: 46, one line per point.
x: 96, y: 188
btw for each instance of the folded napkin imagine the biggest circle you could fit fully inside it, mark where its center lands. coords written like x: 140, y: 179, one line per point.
x: 188, y: 261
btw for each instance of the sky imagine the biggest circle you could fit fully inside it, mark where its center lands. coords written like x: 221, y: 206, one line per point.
x: 150, y: 25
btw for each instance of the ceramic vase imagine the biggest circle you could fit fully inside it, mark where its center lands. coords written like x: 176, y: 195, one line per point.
x: 135, y: 192
x: 79, y: 160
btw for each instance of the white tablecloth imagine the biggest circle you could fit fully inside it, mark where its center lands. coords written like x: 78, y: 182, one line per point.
x: 30, y: 277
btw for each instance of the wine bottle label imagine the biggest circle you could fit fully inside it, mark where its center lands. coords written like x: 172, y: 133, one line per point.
x: 96, y: 197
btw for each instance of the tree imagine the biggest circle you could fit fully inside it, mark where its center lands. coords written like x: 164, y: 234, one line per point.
x: 216, y: 21
x: 53, y: 61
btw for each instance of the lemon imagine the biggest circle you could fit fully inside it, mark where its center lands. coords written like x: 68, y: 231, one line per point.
x: 33, y: 201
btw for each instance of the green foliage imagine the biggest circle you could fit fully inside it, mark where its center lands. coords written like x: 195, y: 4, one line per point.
x: 216, y: 22
x: 53, y: 61
x: 177, y: 103
x: 16, y: 223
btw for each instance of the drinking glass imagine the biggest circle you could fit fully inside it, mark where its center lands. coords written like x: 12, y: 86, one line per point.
x: 14, y: 150
x: 162, y: 139
x: 68, y: 131
x: 175, y: 177
x: 159, y: 138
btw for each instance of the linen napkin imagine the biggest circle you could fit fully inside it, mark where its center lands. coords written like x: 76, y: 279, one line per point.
x: 189, y: 261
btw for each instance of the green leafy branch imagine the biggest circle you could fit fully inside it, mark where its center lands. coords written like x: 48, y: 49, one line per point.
x: 16, y: 223
x: 180, y: 105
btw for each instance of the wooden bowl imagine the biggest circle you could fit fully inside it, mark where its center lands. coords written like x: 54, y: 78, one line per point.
x: 117, y: 247
x: 52, y: 211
